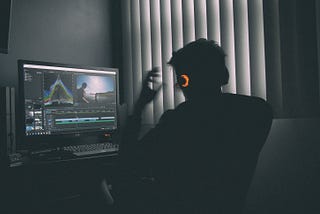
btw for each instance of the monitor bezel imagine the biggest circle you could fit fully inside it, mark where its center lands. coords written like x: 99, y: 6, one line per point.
x: 52, y: 141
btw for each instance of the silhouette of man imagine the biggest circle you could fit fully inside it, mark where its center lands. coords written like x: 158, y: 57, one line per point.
x: 81, y: 93
x: 203, y: 153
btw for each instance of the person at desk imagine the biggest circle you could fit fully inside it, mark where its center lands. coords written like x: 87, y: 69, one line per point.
x: 203, y: 153
x: 81, y: 94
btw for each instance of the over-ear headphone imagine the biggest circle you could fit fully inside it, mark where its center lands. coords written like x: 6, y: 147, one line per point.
x: 184, y: 80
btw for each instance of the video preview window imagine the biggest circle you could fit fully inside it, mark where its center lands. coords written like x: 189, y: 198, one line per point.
x: 94, y: 90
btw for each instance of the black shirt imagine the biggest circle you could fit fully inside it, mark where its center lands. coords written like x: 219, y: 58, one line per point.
x: 203, y: 155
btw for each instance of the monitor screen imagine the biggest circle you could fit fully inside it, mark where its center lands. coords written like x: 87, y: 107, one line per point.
x: 64, y: 100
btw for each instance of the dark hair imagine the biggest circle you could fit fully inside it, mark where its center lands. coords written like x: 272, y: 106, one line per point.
x: 84, y: 85
x: 203, y: 60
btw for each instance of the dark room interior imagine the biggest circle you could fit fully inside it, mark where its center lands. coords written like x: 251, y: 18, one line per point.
x: 273, y: 52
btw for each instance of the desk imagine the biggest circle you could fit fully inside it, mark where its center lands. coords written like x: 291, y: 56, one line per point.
x: 65, y: 186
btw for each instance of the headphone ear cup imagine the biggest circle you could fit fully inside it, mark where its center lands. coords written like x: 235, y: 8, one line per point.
x: 184, y: 80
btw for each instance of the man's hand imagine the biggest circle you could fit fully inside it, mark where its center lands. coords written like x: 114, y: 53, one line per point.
x: 148, y: 92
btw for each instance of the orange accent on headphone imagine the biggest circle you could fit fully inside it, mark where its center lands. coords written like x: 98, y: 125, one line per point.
x: 185, y: 80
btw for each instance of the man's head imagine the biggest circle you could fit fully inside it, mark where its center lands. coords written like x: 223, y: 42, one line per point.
x: 202, y: 64
x: 84, y: 85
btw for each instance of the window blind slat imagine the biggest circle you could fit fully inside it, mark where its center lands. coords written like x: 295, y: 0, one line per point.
x: 213, y: 20
x: 241, y: 28
x: 227, y: 42
x: 257, y: 48
x: 177, y: 40
x: 273, y: 54
x: 136, y: 49
x: 145, y: 26
x: 156, y: 53
x: 188, y: 21
x: 166, y: 34
x: 177, y: 28
x: 127, y: 52
x: 200, y: 18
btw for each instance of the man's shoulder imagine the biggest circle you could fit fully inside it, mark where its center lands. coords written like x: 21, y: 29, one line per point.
x: 231, y: 104
x: 167, y: 115
x: 244, y: 99
x: 175, y: 114
x: 250, y: 104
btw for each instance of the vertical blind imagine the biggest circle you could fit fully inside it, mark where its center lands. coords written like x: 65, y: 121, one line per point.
x: 248, y: 31
x: 153, y: 29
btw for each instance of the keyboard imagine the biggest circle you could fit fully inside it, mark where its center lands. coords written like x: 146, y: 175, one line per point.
x: 92, y: 149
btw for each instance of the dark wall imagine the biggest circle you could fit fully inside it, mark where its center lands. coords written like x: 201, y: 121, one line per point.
x: 288, y: 172
x: 72, y: 31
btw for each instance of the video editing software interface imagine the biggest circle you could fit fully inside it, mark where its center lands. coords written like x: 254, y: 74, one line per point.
x: 63, y: 100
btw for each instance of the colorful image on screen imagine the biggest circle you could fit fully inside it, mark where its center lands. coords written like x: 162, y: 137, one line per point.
x: 57, y: 89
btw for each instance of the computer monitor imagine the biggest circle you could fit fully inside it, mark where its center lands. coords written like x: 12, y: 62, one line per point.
x: 66, y: 104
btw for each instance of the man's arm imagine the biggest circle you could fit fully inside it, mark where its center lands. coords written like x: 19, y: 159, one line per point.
x: 84, y: 99
x: 130, y: 147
